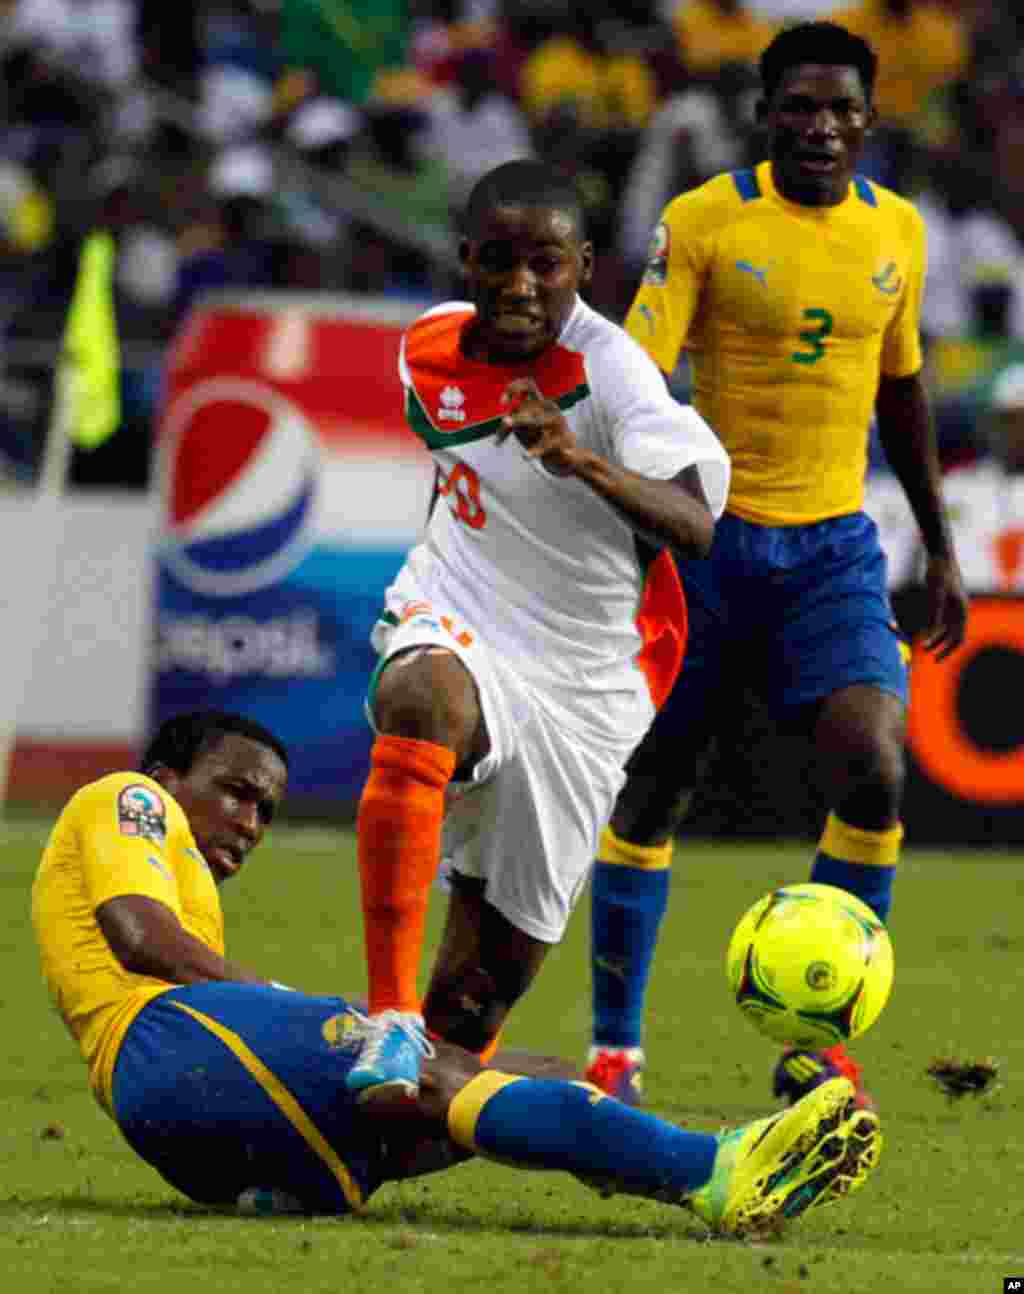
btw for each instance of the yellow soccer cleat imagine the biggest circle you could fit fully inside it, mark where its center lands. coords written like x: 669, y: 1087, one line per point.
x: 766, y: 1172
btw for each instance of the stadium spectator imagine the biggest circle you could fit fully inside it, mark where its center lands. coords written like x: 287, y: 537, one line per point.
x: 514, y: 679
x: 94, y: 40
x: 50, y: 122
x: 985, y: 497
x: 795, y: 287
x: 27, y: 216
x: 589, y: 92
x: 223, y: 240
x: 472, y: 126
x: 237, y: 73
x: 961, y: 365
x: 712, y: 34
x: 355, y: 52
x: 232, y: 1087
x: 922, y: 48
x: 969, y: 241
x: 581, y: 75
x: 696, y: 132
x: 442, y: 31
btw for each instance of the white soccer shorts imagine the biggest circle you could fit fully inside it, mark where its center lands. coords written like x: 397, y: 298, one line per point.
x: 527, y: 821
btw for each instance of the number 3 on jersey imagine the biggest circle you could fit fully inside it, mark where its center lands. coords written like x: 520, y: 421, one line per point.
x: 461, y: 487
x: 814, y: 337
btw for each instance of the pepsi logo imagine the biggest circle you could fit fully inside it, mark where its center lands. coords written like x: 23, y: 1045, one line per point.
x: 239, y: 468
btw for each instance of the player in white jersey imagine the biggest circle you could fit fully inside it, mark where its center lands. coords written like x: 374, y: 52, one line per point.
x: 529, y: 638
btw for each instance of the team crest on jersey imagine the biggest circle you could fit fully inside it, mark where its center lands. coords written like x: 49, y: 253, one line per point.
x: 451, y: 401
x: 888, y: 280
x: 657, y: 257
x: 141, y: 812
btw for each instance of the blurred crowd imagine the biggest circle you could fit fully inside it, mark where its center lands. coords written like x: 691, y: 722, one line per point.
x: 328, y: 144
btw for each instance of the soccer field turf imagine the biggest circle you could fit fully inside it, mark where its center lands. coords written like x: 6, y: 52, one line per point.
x: 944, y: 1212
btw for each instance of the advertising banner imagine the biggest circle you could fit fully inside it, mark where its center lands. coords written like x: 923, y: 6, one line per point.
x: 965, y: 732
x: 290, y: 489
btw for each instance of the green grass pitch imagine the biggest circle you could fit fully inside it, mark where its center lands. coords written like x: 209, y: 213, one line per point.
x: 944, y: 1212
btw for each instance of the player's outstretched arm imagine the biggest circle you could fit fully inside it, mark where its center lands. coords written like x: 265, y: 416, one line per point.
x: 908, y: 437
x: 672, y: 513
x: 148, y: 939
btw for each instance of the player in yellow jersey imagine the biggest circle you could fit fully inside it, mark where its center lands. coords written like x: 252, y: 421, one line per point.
x: 233, y: 1088
x: 795, y: 289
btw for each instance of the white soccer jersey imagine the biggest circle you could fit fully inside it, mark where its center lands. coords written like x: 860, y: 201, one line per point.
x: 542, y: 564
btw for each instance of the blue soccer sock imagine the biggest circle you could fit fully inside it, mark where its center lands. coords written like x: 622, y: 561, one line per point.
x: 629, y: 894
x: 860, y: 861
x: 550, y: 1123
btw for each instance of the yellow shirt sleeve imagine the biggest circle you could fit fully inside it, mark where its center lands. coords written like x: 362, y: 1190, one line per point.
x: 677, y: 263
x: 123, y: 833
x: 901, y: 345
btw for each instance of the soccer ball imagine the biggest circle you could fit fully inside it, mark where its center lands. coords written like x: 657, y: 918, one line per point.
x: 810, y: 965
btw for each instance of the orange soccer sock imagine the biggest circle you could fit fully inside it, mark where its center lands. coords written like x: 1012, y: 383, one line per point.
x: 399, y: 847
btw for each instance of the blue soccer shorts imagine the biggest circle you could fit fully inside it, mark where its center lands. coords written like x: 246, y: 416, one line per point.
x: 795, y: 613
x: 222, y: 1087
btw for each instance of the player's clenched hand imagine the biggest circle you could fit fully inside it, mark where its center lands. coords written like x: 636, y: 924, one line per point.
x: 947, y: 607
x: 539, y: 426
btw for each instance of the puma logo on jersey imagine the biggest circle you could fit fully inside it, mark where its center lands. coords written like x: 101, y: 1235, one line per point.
x: 450, y: 409
x: 759, y: 274
x: 888, y: 279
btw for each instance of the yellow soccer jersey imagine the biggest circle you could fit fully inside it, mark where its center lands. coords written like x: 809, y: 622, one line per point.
x: 121, y: 835
x: 789, y: 315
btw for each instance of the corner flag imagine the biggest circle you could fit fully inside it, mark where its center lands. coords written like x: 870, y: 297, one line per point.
x: 88, y: 372
x: 86, y: 412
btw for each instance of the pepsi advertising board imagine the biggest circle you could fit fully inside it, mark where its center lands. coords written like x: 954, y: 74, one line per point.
x: 290, y: 490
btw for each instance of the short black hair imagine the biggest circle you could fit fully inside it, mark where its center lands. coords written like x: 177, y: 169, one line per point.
x: 817, y: 42
x: 180, y: 740
x: 523, y: 183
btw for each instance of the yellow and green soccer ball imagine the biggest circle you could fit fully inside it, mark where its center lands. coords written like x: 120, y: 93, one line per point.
x: 810, y: 965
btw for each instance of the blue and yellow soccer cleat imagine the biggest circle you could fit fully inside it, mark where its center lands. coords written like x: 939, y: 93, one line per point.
x: 769, y: 1171
x: 799, y: 1071
x: 618, y: 1072
x: 393, y: 1045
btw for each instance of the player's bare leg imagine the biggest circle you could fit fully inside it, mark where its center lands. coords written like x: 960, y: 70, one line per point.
x: 859, y: 741
x: 484, y: 965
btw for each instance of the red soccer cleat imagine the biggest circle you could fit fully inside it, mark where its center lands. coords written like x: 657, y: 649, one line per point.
x: 618, y: 1072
